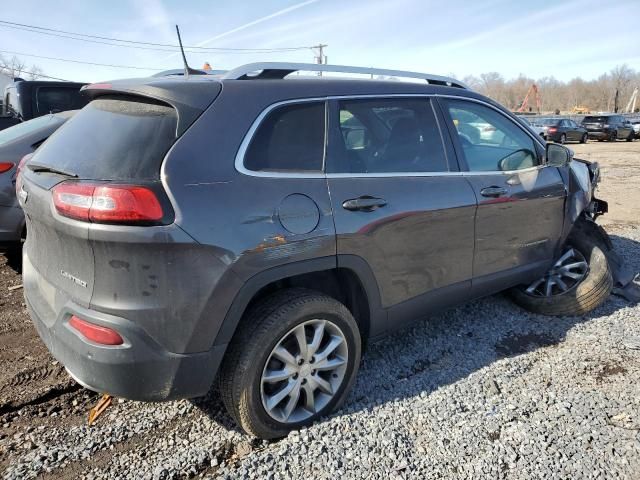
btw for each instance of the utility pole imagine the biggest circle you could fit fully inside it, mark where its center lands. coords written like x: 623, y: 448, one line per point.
x: 320, y: 58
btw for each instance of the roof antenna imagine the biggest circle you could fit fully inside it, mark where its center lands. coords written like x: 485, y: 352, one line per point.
x: 187, y: 69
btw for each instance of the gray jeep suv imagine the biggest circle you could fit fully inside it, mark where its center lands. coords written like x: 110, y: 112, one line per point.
x: 259, y: 229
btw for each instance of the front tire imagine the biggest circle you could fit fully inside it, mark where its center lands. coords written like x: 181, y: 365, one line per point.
x: 563, y: 139
x: 293, y: 360
x: 587, y: 287
x: 630, y: 137
x: 584, y: 138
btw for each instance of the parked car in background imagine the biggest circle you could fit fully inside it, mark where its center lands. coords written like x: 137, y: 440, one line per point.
x: 150, y: 270
x: 609, y: 127
x: 15, y: 143
x: 636, y: 128
x: 562, y: 130
x: 25, y: 100
x: 533, y: 125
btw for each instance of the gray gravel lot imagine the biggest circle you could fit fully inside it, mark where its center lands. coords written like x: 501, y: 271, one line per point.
x: 483, y: 390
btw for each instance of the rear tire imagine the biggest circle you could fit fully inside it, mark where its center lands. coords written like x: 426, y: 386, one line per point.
x: 613, y: 137
x: 590, y: 292
x: 563, y: 139
x: 246, y: 380
x: 630, y: 137
x: 14, y: 258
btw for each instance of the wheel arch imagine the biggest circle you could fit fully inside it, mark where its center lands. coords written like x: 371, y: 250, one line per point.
x: 347, y: 278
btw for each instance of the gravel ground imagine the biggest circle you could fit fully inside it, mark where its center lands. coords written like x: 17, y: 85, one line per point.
x: 484, y: 390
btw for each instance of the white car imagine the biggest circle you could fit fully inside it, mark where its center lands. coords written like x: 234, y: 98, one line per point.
x: 540, y: 130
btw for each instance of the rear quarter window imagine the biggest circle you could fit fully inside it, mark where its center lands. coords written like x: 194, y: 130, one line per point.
x: 290, y: 139
x: 113, y: 138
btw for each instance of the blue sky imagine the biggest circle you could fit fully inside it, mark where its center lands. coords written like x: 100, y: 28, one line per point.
x: 537, y: 38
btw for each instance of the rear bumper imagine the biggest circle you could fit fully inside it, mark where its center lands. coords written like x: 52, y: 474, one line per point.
x: 140, y: 369
x: 11, y: 225
x: 598, y: 134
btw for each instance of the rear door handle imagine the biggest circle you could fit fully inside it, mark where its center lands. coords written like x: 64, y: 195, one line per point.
x: 493, y: 191
x: 365, y: 203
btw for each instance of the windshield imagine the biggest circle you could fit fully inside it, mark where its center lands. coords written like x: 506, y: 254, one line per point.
x: 25, y: 128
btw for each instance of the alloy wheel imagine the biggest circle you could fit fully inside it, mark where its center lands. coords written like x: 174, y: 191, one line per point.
x: 304, y: 371
x: 566, y: 274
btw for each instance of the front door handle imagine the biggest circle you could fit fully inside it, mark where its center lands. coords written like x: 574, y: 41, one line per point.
x: 493, y: 191
x: 365, y: 203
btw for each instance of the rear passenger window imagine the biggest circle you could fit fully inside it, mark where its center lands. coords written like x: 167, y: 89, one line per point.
x: 387, y: 136
x: 290, y: 139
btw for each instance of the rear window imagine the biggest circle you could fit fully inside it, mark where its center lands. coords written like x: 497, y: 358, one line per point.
x: 595, y: 119
x: 113, y: 138
x: 58, y: 99
x: 26, y: 128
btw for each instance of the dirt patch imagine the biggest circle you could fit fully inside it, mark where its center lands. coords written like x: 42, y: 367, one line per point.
x: 608, y: 370
x: 33, y: 386
x: 620, y: 170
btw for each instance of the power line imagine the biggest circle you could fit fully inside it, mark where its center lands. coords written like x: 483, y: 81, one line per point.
x: 36, y: 74
x: 137, y: 44
x: 79, y: 61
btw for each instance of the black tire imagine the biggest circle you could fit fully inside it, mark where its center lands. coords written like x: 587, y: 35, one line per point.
x: 584, y: 138
x: 592, y: 290
x: 613, y: 137
x: 14, y: 258
x: 260, y: 331
x: 563, y: 138
x: 630, y: 137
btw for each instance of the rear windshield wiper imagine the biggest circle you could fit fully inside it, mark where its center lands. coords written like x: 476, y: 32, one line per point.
x: 39, y: 168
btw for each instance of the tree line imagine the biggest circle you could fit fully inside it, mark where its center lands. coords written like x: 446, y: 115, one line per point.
x: 15, y: 68
x: 610, y: 92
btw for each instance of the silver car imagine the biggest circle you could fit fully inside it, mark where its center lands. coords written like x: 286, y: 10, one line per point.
x: 15, y: 143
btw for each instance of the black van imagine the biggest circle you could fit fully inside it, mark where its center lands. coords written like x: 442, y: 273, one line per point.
x: 24, y: 100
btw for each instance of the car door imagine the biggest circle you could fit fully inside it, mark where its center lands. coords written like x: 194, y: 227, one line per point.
x: 628, y: 128
x: 572, y: 131
x: 400, y: 204
x: 520, y: 201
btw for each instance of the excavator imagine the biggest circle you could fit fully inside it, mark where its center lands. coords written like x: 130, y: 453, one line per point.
x: 532, y: 90
x: 631, y: 106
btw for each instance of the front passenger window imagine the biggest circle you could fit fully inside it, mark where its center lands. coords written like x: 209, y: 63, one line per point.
x: 490, y: 141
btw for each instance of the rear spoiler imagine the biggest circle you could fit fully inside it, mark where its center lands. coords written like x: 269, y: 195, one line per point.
x: 189, y: 97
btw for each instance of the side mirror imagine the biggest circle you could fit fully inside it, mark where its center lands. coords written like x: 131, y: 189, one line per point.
x: 557, y: 155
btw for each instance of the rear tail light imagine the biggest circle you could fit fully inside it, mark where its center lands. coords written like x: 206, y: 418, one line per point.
x: 95, y: 333
x: 552, y: 129
x: 5, y: 166
x: 23, y: 160
x: 105, y: 203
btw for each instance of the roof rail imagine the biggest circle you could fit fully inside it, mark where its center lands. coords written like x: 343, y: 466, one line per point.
x: 279, y: 70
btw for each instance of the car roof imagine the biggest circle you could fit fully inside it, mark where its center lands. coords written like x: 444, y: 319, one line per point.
x: 274, y: 80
